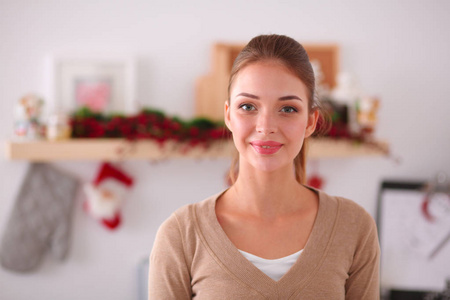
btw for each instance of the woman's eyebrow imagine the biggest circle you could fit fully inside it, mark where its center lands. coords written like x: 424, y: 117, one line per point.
x: 290, y: 97
x: 284, y: 98
x: 248, y: 95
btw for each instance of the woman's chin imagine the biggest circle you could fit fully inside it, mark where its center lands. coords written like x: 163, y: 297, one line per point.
x: 271, y: 166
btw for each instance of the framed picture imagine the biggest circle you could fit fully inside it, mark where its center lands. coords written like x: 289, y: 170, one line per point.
x: 101, y: 84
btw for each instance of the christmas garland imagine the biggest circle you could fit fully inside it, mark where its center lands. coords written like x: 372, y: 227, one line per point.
x: 147, y: 124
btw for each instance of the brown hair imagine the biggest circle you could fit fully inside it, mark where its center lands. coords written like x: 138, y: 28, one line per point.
x: 292, y: 55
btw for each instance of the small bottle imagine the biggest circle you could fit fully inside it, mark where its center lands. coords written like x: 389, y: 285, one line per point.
x: 58, y: 127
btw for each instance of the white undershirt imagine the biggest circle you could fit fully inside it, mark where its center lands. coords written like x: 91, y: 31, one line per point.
x: 274, y: 268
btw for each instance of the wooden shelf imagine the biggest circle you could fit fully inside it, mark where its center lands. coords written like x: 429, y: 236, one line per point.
x: 120, y: 149
x: 334, y: 148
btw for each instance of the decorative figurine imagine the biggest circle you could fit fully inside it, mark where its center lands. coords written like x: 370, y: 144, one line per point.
x: 27, y: 113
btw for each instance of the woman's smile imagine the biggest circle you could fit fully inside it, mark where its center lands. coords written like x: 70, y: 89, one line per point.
x: 266, y: 147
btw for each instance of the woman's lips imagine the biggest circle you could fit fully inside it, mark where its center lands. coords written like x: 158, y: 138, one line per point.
x: 266, y: 147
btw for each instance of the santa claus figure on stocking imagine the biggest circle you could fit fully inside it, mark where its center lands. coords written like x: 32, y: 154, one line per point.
x: 106, y: 194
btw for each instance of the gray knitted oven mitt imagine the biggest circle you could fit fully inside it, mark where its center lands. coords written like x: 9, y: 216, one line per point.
x: 40, y: 219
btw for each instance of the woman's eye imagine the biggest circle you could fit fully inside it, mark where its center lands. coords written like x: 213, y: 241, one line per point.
x: 247, y: 107
x: 289, y: 109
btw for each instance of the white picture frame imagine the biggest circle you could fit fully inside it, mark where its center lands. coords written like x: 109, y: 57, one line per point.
x: 105, y: 84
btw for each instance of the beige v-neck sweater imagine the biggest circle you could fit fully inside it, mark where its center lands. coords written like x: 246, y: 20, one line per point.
x: 192, y: 258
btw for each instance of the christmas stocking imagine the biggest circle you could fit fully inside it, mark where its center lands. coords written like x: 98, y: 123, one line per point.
x: 40, y: 219
x: 106, y: 194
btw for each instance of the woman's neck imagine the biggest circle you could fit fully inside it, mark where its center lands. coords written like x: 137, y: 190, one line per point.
x: 267, y: 194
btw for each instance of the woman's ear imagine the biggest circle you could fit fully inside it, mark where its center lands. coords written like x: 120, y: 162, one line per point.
x: 227, y: 115
x: 312, y: 123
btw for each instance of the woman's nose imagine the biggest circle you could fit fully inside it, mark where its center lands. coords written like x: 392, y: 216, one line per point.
x: 266, y: 123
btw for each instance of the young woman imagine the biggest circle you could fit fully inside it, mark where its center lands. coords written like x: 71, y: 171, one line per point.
x: 268, y: 236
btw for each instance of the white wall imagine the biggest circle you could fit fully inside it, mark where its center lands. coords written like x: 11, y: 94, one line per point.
x: 398, y: 49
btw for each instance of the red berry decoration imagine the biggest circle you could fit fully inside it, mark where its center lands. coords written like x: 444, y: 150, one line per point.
x: 315, y: 181
x: 147, y: 124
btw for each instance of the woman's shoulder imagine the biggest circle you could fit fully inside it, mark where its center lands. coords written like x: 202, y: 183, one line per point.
x: 348, y: 211
x: 351, y: 224
x: 180, y: 231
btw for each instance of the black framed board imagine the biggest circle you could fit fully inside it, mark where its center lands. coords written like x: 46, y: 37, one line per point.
x: 414, y: 238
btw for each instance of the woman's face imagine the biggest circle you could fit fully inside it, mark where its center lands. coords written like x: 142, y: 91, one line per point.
x: 268, y: 115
